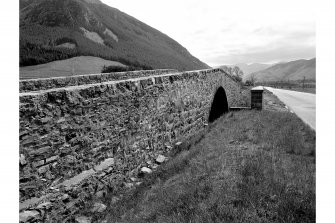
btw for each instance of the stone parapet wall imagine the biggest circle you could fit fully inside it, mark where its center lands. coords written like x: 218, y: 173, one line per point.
x: 111, y: 129
x: 59, y: 82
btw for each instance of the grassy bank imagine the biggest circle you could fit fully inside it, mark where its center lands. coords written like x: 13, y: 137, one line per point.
x: 250, y: 166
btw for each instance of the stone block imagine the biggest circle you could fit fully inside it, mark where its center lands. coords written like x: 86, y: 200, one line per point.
x: 98, y: 207
x: 23, y: 159
x: 77, y: 179
x: 40, y: 151
x: 52, y: 159
x: 29, y: 216
x: 104, y: 165
x: 83, y: 219
x: 43, y: 169
x: 38, y: 163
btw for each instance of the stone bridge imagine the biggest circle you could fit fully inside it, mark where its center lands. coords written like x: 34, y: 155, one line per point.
x: 94, y: 132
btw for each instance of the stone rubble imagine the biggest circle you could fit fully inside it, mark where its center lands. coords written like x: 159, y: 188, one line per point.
x: 146, y: 170
x: 160, y: 159
x: 98, y: 207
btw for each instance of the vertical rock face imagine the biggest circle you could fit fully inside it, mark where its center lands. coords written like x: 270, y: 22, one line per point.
x: 111, y: 129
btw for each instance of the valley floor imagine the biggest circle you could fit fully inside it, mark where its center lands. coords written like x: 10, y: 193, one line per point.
x: 249, y: 166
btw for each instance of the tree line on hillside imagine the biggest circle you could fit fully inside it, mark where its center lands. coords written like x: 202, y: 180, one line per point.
x: 113, y: 68
x: 41, y: 47
x: 32, y: 54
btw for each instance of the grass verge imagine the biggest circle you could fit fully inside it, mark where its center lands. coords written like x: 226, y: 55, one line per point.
x: 306, y: 90
x: 251, y: 166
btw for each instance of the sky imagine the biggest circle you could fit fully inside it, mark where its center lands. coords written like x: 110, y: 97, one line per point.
x: 222, y: 32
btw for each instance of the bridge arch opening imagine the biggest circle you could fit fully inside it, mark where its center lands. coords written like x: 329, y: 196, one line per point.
x: 219, y: 105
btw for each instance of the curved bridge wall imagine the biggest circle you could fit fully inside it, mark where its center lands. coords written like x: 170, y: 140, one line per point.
x: 119, y: 125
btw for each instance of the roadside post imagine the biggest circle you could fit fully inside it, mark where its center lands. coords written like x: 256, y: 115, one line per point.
x: 257, y: 98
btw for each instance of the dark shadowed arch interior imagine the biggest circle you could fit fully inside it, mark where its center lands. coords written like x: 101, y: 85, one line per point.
x: 219, y: 105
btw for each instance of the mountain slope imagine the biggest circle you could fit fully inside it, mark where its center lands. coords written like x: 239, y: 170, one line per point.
x: 60, y: 29
x: 294, y: 70
x: 251, y: 68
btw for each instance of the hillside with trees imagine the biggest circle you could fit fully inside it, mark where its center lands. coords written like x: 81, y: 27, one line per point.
x: 53, y: 30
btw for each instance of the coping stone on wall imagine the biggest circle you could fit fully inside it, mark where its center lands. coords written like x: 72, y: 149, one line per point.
x: 58, y: 82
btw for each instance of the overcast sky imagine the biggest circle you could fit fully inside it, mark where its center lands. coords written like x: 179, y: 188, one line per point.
x: 228, y: 32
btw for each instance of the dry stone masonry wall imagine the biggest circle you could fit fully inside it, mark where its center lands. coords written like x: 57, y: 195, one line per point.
x: 86, y: 139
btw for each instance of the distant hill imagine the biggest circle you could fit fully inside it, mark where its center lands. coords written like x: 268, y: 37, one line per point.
x: 293, y: 70
x: 53, y: 30
x: 250, y: 68
x: 73, y: 66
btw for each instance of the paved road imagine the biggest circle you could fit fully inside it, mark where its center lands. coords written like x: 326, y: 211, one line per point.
x: 302, y: 104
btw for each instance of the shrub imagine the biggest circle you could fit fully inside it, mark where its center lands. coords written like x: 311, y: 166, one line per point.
x: 109, y: 69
